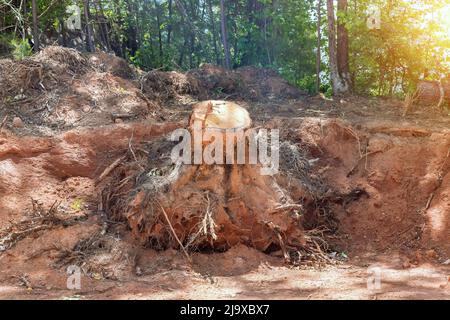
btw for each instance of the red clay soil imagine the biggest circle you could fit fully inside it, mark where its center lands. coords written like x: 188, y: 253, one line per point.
x: 405, y: 172
x: 401, y: 225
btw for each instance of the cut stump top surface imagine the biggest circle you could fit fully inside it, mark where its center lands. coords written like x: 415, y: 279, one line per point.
x: 221, y: 115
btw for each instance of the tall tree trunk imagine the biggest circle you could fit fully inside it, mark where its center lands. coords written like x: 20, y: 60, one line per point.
x: 342, y: 45
x: 169, y: 25
x: 104, y: 26
x: 131, y: 32
x: 266, y: 43
x: 160, y: 41
x: 318, y: 57
x: 135, y: 12
x: 339, y: 86
x: 118, y: 44
x: 63, y: 32
x: 213, y: 30
x: 35, y: 26
x: 89, y: 42
x: 223, y: 23
x: 25, y: 21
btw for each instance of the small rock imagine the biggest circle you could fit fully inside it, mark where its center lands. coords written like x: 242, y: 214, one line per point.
x: 431, y: 254
x: 118, y: 120
x: 17, y: 122
x: 86, y: 109
x: 446, y: 263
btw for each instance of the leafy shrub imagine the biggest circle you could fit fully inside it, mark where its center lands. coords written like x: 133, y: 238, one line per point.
x: 21, y: 49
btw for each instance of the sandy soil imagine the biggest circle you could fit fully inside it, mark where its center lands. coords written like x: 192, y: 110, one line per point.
x: 245, y: 273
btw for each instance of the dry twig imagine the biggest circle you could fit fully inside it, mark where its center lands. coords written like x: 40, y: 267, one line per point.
x: 174, y: 233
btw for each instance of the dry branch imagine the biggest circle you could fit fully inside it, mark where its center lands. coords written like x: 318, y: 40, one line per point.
x: 109, y: 169
x: 174, y: 233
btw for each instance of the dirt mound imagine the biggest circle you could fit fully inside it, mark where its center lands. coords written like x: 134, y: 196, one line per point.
x: 47, y: 70
x: 59, y: 88
x: 62, y: 59
x: 214, y: 82
x: 248, y: 83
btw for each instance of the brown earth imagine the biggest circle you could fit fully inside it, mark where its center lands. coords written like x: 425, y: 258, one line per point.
x: 384, y: 185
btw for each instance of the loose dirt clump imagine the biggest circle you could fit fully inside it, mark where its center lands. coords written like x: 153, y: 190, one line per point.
x: 112, y: 64
x: 216, y: 80
x: 266, y: 83
x: 19, y: 76
x: 60, y: 88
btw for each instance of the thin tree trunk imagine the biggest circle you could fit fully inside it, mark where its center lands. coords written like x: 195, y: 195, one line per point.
x: 342, y: 45
x: 35, y: 26
x: 158, y: 21
x: 131, y: 32
x: 318, y: 57
x: 25, y: 24
x: 139, y: 34
x: 118, y: 43
x: 213, y: 30
x: 104, y: 26
x: 89, y: 42
x: 266, y: 44
x: 169, y: 26
x: 338, y: 85
x: 183, y: 49
x: 190, y: 31
x: 223, y: 24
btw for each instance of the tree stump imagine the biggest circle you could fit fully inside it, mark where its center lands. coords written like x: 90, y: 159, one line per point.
x: 215, y: 207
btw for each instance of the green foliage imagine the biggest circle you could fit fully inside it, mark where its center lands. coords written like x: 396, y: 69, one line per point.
x: 390, y: 60
x: 282, y: 34
x: 21, y: 49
